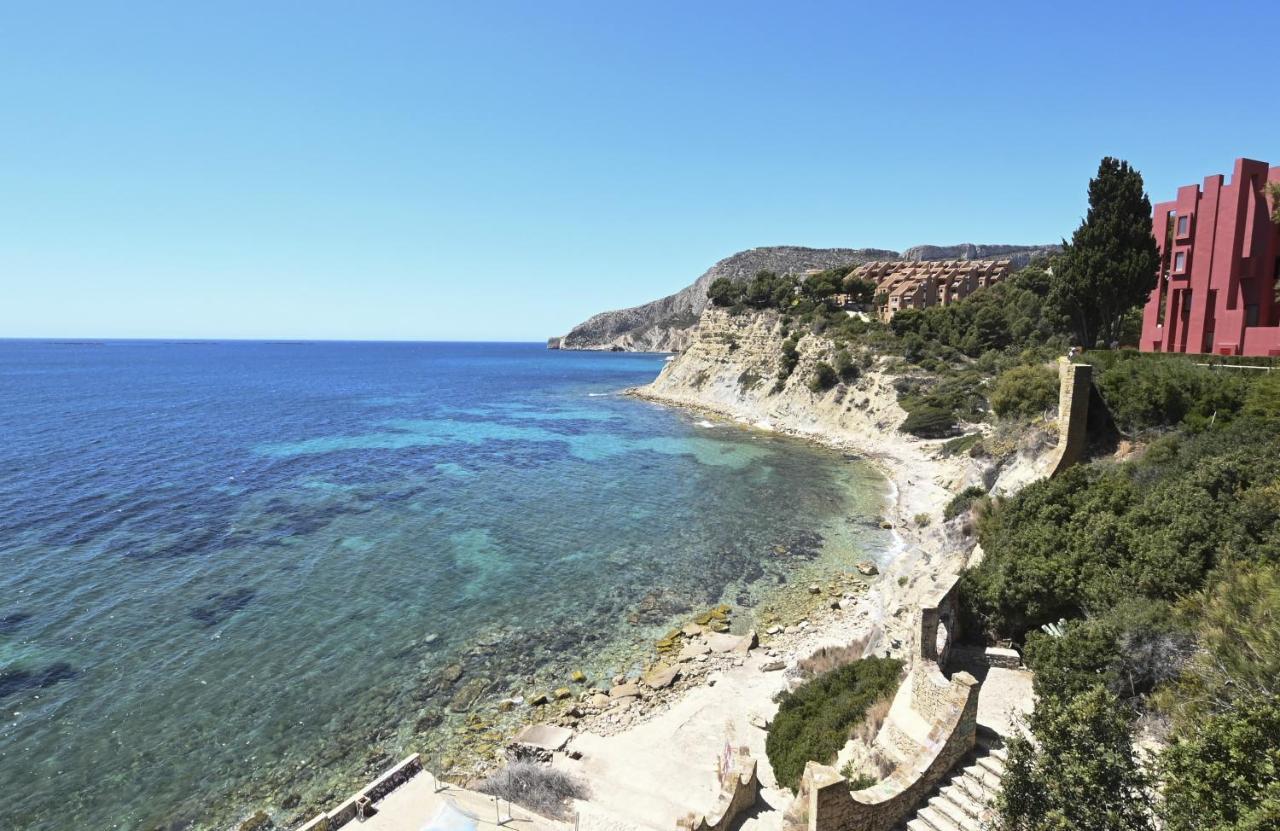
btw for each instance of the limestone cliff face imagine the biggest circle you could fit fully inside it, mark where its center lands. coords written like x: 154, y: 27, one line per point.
x: 666, y: 325
x: 731, y: 364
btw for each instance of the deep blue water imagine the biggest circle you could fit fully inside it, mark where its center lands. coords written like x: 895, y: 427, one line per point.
x: 233, y: 573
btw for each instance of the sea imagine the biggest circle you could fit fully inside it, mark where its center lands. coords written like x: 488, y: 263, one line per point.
x: 251, y: 575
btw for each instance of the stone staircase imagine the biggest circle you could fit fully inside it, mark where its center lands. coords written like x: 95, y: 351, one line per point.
x: 965, y: 800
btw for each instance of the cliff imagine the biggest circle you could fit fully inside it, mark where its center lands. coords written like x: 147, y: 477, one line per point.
x: 665, y: 325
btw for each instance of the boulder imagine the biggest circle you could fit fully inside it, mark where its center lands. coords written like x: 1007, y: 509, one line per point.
x: 693, y: 650
x: 661, y: 676
x: 773, y: 666
x: 868, y: 568
x: 628, y: 690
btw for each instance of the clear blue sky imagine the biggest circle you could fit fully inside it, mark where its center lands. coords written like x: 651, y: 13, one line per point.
x: 475, y: 170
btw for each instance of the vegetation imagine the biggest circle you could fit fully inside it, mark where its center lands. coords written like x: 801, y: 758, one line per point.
x: 1164, y: 574
x: 824, y: 377
x: 930, y: 422
x: 1110, y: 265
x: 1224, y: 772
x: 1081, y: 773
x: 1024, y: 392
x: 813, y: 721
x: 962, y: 501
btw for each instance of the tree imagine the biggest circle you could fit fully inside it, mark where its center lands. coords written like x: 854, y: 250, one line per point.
x: 1080, y: 773
x: 723, y: 292
x: 1111, y: 263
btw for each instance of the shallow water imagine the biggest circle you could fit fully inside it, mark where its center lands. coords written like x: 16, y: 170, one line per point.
x: 241, y: 574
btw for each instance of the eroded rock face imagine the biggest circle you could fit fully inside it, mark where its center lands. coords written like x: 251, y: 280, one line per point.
x: 666, y: 325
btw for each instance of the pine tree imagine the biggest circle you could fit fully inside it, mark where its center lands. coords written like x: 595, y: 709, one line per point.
x: 1110, y: 265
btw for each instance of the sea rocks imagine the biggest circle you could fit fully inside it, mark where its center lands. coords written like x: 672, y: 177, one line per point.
x: 427, y: 721
x: 692, y: 651
x: 452, y: 673
x: 562, y: 693
x: 815, y: 589
x: 538, y: 699
x: 599, y: 700
x: 868, y: 568
x: 467, y: 695
x: 578, y: 677
x: 258, y: 822
x: 773, y: 666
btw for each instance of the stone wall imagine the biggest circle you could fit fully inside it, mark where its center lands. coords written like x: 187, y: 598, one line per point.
x: 374, y: 791
x: 931, y: 726
x: 1075, y: 382
x: 739, y: 791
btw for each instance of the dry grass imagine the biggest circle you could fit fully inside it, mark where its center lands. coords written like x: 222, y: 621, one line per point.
x: 869, y: 727
x: 540, y: 789
x: 832, y: 657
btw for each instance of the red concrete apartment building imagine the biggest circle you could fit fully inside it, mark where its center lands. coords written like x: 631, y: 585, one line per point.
x: 1220, y: 260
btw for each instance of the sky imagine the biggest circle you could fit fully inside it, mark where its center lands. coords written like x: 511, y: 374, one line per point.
x: 501, y: 171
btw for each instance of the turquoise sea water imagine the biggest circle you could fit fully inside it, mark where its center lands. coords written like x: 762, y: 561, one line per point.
x: 240, y: 575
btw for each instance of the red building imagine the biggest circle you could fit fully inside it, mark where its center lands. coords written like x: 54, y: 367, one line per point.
x: 1220, y: 260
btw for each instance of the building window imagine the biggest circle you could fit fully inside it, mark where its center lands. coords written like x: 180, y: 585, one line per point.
x: 1179, y: 262
x: 1251, y: 314
x: 1184, y: 225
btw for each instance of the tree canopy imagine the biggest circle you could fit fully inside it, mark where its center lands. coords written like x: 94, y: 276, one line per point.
x: 1110, y: 265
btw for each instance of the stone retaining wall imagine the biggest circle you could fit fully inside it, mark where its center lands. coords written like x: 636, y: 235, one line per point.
x: 949, y: 709
x: 739, y: 791
x: 1075, y: 383
x: 374, y: 791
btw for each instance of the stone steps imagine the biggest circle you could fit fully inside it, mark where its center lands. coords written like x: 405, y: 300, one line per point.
x: 965, y: 800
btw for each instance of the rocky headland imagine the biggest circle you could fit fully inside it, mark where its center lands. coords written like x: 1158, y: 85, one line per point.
x: 667, y: 324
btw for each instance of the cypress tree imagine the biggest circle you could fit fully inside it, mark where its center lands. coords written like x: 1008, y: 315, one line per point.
x: 1110, y: 265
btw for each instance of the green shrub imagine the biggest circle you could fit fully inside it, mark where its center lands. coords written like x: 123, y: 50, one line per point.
x: 814, y: 720
x: 960, y: 444
x: 1080, y: 773
x: 1149, y: 391
x: 922, y: 520
x: 1224, y: 773
x: 824, y: 377
x: 1099, y: 534
x: 1024, y: 392
x: 787, y: 362
x: 929, y: 422
x: 961, y: 501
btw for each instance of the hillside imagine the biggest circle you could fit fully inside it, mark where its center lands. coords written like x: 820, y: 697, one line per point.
x: 664, y: 325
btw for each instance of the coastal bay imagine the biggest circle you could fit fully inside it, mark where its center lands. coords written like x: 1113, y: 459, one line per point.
x: 254, y: 573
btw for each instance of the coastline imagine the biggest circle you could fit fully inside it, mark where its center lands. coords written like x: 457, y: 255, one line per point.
x: 650, y: 768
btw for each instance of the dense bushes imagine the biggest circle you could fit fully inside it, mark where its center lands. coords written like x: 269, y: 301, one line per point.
x: 813, y: 721
x: 1024, y: 391
x: 1080, y: 773
x: 1167, y: 573
x: 1146, y: 391
x: 929, y: 422
x: 1098, y: 534
x: 1224, y: 771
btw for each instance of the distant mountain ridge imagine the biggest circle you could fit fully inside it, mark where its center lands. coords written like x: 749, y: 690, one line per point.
x: 664, y: 325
